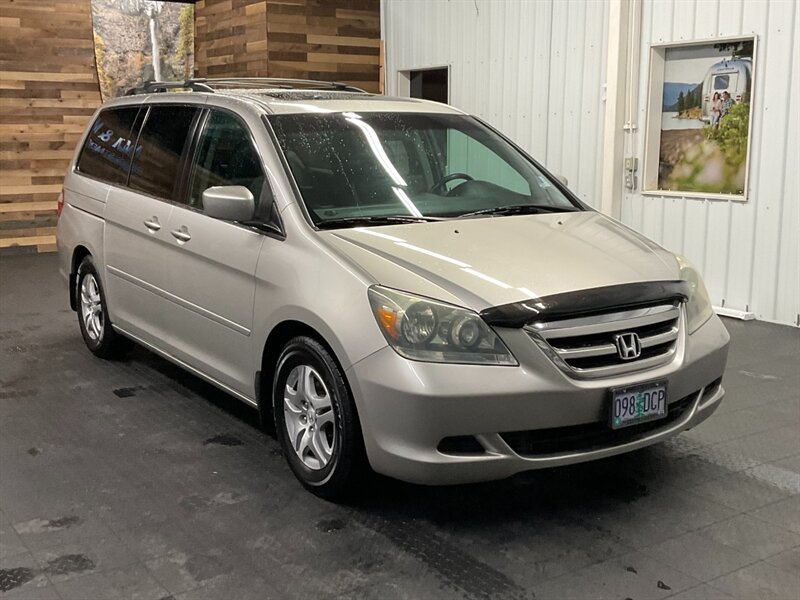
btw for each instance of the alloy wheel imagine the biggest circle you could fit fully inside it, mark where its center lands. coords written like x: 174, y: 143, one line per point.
x: 91, y: 307
x: 309, y: 416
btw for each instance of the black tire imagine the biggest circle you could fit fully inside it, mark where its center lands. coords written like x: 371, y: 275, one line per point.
x: 340, y: 478
x: 103, y: 341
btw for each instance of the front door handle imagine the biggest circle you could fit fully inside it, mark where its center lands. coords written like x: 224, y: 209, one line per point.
x: 182, y: 234
x: 152, y: 224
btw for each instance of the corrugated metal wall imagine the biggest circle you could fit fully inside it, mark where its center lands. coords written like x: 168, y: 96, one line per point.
x: 533, y: 69
x: 536, y: 70
x: 748, y: 252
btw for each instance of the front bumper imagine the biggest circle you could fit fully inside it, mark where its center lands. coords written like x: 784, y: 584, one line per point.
x: 407, y: 408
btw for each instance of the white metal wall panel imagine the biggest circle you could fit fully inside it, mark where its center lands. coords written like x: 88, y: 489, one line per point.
x: 748, y: 252
x: 787, y: 298
x: 536, y: 70
x: 533, y: 69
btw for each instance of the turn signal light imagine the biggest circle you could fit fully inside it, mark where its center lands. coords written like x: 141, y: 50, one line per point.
x: 388, y: 320
x: 60, y: 205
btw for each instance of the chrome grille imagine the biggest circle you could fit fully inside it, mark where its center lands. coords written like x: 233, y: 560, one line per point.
x: 585, y: 347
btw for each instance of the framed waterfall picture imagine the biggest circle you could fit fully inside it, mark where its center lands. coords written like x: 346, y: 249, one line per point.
x: 699, y: 118
x: 141, y: 40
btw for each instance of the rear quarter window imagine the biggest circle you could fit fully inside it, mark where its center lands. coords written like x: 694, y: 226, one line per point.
x: 110, y: 145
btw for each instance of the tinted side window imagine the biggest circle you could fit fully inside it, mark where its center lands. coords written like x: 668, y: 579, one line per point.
x: 161, y: 145
x: 225, y: 156
x: 110, y: 145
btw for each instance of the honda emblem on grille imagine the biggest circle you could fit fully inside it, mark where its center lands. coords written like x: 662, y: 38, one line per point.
x: 629, y: 346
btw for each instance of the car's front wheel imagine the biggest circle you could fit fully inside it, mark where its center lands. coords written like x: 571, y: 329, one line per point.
x: 95, y: 326
x: 316, y: 420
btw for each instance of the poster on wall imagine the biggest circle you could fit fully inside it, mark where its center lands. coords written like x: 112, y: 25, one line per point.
x: 141, y: 40
x: 705, y: 117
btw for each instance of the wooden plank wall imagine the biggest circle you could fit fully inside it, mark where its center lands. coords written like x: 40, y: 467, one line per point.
x: 48, y: 91
x: 230, y: 38
x: 49, y: 88
x: 332, y: 40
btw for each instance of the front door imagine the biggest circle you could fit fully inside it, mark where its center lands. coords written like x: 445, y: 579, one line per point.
x: 212, y: 263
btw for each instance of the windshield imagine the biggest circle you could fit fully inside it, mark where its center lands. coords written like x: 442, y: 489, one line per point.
x: 371, y: 165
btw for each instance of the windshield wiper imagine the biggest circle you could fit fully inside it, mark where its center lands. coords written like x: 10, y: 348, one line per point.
x: 375, y: 220
x: 519, y: 209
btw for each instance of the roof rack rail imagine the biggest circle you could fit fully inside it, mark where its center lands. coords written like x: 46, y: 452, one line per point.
x: 155, y: 87
x: 279, y: 83
x: 208, y: 85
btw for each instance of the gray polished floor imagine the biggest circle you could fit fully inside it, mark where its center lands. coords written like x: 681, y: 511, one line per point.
x: 135, y: 480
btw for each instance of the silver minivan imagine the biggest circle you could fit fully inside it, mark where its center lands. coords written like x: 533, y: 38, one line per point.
x: 393, y: 282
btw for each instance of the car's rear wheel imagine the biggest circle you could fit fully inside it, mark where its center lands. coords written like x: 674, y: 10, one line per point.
x: 316, y: 420
x: 93, y: 319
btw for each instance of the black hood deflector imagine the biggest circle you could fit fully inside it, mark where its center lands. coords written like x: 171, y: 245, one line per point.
x: 586, y: 302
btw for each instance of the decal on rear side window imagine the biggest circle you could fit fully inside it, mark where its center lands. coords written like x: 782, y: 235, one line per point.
x: 110, y: 145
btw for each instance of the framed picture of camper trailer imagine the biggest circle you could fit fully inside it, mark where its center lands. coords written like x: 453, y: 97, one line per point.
x: 699, y: 117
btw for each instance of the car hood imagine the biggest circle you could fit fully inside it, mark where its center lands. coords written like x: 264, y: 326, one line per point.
x: 486, y: 262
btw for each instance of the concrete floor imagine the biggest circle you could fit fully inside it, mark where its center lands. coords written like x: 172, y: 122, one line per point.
x: 135, y: 480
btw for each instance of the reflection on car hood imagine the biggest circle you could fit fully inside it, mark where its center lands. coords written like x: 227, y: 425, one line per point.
x: 491, y: 261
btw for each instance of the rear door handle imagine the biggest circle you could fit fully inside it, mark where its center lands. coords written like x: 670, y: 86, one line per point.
x: 152, y: 224
x: 182, y: 234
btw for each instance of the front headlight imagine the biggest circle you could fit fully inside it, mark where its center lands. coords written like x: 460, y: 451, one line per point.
x: 698, y: 307
x: 424, y: 329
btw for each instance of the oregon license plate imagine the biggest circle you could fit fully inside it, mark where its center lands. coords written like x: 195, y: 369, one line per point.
x: 639, y: 403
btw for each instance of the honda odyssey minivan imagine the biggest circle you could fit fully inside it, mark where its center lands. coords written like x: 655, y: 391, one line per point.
x: 392, y: 281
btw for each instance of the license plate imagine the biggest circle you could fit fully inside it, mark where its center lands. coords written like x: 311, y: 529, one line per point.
x: 638, y: 403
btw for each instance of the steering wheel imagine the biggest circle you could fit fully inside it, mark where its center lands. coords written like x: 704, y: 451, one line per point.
x: 439, y: 185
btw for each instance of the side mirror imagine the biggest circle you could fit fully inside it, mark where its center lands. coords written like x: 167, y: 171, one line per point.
x: 229, y: 203
x: 562, y: 179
